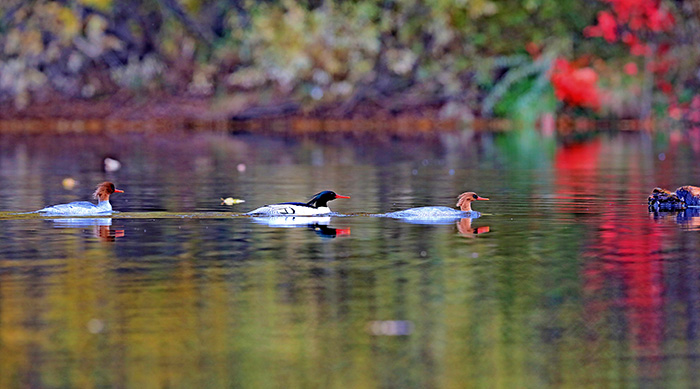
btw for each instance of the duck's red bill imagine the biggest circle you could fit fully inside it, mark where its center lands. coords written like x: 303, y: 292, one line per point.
x: 118, y: 191
x: 481, y: 230
x: 341, y: 197
x: 481, y: 198
x: 342, y: 231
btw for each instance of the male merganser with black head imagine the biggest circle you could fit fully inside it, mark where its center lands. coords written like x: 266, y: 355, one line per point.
x: 79, y: 208
x: 464, y: 202
x: 318, y: 205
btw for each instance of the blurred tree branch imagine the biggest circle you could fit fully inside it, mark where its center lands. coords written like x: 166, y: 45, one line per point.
x: 199, y: 31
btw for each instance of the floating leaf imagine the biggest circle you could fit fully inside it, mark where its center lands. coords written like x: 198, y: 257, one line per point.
x: 231, y: 201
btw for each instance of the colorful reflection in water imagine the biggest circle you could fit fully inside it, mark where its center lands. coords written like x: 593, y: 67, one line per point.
x: 565, y: 280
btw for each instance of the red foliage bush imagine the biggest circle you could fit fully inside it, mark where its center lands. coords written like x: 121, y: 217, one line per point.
x: 607, y: 27
x: 574, y: 86
x: 638, y: 24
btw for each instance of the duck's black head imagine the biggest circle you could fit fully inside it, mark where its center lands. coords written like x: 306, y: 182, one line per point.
x: 321, y: 199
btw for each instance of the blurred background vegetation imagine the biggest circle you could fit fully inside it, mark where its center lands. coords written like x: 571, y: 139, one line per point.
x: 329, y: 58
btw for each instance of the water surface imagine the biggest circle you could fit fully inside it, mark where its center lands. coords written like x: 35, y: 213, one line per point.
x: 565, y: 280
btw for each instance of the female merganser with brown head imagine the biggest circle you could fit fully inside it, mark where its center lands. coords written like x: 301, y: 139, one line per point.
x: 664, y: 200
x: 318, y: 205
x: 78, y: 208
x: 464, y: 202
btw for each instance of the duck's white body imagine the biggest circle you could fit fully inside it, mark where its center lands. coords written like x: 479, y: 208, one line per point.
x: 78, y: 208
x: 290, y: 209
x: 432, y: 212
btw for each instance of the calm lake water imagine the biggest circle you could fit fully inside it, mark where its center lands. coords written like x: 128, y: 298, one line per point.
x: 571, y: 282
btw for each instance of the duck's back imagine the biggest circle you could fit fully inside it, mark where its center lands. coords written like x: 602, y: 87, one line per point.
x: 689, y: 194
x: 289, y: 209
x: 431, y: 212
x: 78, y: 208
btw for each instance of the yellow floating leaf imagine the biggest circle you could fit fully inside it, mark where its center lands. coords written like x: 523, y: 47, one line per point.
x: 231, y: 201
x: 68, y: 183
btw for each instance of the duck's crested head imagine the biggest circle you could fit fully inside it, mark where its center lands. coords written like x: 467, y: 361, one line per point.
x: 105, y: 189
x: 464, y: 201
x: 321, y: 199
x: 664, y: 200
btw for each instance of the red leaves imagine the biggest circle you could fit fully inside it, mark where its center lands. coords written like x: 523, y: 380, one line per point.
x: 607, y: 27
x: 694, y: 111
x: 631, y: 18
x: 638, y: 14
x: 665, y: 87
x: 576, y: 87
x: 637, y: 48
x: 639, y: 25
x: 660, y: 20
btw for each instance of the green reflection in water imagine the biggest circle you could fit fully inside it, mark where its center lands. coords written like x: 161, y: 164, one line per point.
x: 281, y: 318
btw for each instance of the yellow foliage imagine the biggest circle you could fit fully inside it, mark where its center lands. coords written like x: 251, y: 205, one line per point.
x: 95, y: 28
x: 71, y: 24
x: 478, y: 8
x: 99, y: 4
x: 31, y: 42
x: 192, y: 5
x: 321, y: 46
x: 13, y: 42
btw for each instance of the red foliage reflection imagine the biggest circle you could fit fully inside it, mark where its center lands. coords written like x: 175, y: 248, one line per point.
x: 623, y: 269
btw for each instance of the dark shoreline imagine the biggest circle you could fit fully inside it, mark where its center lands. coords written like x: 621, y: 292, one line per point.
x: 118, y: 114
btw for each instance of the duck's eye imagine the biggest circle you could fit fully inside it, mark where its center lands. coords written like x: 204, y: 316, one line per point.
x: 475, y: 196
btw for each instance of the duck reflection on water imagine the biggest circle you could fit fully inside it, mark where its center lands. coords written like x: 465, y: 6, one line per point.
x: 688, y: 218
x: 317, y: 224
x: 101, y: 227
x: 464, y: 226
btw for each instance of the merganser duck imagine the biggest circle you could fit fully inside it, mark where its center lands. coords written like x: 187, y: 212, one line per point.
x: 464, y: 202
x: 664, y: 200
x: 318, y: 205
x: 79, y: 208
